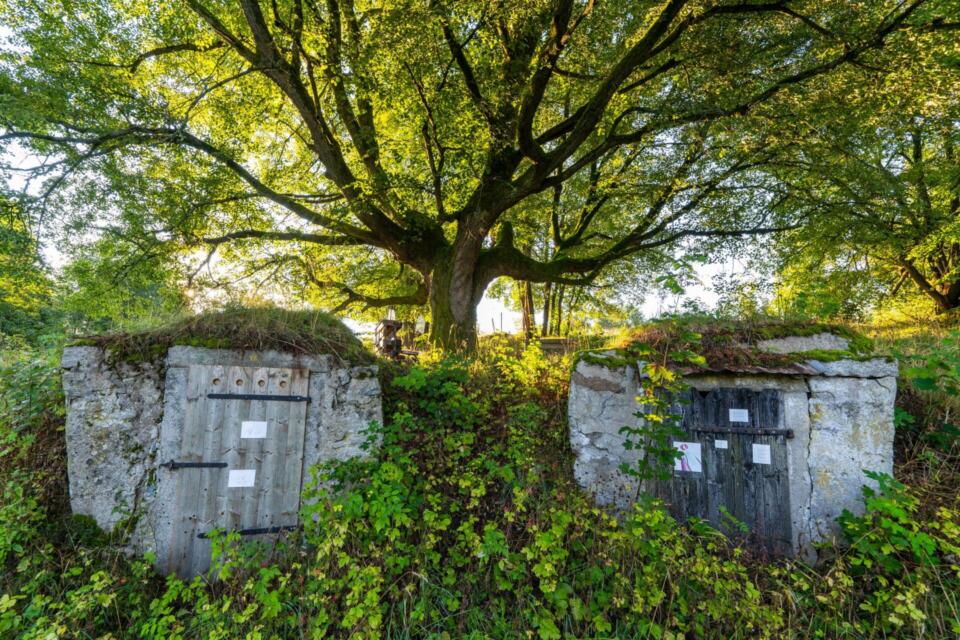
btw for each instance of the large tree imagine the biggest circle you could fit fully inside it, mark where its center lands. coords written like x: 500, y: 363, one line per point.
x: 362, y: 133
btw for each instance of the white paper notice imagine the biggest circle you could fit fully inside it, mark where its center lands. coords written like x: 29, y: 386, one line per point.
x: 253, y: 429
x: 720, y: 444
x: 761, y: 454
x: 690, y: 461
x: 739, y: 415
x: 241, y: 478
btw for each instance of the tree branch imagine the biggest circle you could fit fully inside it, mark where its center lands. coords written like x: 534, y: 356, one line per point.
x: 291, y: 236
x: 154, y: 53
x: 556, y: 41
x: 459, y: 55
x: 147, y: 135
x: 352, y: 296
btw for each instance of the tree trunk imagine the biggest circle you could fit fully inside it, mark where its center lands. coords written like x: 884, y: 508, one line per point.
x: 547, y: 301
x: 570, y: 311
x: 453, y: 314
x: 526, y: 305
x: 945, y: 298
x: 558, y: 313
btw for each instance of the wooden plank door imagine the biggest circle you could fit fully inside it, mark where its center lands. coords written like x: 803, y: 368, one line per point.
x: 241, y: 457
x: 742, y: 472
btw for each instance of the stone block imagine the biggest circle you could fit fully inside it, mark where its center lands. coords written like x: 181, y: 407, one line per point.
x: 798, y: 344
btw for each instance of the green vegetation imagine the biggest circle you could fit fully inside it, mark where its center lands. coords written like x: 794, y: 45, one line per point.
x: 466, y: 523
x: 25, y: 285
x: 244, y: 328
x: 111, y: 284
x: 169, y: 169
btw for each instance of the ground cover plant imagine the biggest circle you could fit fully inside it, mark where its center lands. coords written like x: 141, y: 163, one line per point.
x: 465, y: 522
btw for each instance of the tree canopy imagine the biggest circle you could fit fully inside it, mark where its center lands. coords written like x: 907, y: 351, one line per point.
x: 25, y: 285
x: 390, y: 153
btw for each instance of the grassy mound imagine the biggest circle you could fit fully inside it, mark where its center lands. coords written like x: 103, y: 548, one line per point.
x: 254, y: 329
x: 727, y: 344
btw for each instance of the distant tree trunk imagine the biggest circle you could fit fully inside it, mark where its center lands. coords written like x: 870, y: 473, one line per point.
x: 573, y: 305
x: 526, y: 305
x: 524, y: 315
x: 547, y: 301
x: 559, y: 315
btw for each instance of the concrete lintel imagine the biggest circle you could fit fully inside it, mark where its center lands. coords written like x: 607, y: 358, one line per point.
x: 798, y: 344
x: 754, y: 382
x: 183, y: 356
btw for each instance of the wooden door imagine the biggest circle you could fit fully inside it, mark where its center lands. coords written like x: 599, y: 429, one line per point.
x: 240, y: 465
x: 739, y: 483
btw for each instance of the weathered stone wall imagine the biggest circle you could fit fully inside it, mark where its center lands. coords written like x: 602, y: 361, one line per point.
x: 851, y: 430
x: 602, y: 401
x: 113, y: 416
x: 123, y: 420
x: 841, y: 416
x: 797, y: 344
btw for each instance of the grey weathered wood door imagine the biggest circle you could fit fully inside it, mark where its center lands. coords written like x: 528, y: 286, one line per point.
x: 240, y: 463
x: 741, y: 470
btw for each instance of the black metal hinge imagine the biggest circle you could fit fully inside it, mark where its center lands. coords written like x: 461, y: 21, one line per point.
x: 256, y: 396
x: 257, y: 531
x: 173, y: 465
x: 786, y: 433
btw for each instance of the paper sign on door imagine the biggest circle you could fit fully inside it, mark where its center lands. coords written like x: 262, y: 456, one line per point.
x: 253, y: 429
x: 761, y: 454
x: 690, y: 460
x: 240, y: 478
x: 720, y: 444
x: 739, y: 415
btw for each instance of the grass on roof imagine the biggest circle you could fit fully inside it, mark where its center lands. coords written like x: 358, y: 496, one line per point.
x: 726, y: 343
x: 242, y: 328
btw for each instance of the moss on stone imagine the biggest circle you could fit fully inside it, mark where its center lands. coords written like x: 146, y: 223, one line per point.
x: 833, y: 355
x: 248, y: 329
x: 609, y: 358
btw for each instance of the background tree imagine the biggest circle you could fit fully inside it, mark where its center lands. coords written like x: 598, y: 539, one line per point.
x: 884, y: 182
x: 26, y: 288
x: 894, y: 206
x: 111, y: 284
x: 409, y: 132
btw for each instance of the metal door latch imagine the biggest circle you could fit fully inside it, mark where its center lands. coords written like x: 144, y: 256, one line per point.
x: 257, y: 396
x: 257, y: 531
x: 786, y: 433
x: 173, y: 465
